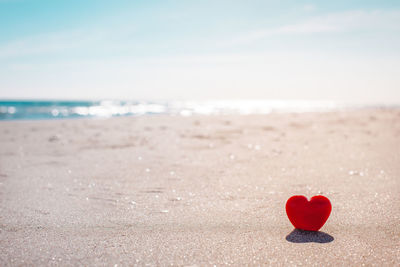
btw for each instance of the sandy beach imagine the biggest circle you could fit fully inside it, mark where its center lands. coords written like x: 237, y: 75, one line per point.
x: 199, y: 190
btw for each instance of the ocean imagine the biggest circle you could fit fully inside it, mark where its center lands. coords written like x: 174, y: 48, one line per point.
x: 60, y: 109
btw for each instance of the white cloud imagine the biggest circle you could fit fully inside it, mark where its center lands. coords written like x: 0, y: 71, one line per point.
x: 309, y: 7
x: 50, y: 43
x: 329, y: 23
x: 87, y: 39
x: 288, y: 74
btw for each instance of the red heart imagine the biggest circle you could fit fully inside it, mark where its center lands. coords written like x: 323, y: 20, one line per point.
x: 308, y: 215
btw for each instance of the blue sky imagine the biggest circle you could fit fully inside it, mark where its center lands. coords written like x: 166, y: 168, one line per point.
x: 335, y: 50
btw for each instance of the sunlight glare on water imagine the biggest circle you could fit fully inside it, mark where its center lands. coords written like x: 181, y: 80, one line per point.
x: 11, y: 110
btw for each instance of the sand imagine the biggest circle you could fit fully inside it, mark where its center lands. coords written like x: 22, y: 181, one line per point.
x: 200, y: 190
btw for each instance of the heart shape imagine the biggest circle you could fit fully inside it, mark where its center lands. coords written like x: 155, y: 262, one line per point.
x: 308, y: 215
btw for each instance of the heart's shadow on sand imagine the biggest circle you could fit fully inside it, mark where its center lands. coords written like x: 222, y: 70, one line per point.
x: 302, y: 236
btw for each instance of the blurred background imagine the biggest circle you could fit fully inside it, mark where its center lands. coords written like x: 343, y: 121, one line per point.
x: 200, y: 50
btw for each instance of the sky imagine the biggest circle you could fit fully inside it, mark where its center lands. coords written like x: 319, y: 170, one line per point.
x: 200, y: 50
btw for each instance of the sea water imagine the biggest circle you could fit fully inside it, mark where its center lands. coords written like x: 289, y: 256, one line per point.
x: 35, y: 109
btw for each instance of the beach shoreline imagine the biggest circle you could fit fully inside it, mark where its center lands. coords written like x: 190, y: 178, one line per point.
x: 199, y: 190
